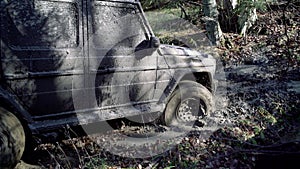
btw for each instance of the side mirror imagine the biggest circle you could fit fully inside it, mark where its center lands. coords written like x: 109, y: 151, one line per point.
x: 154, y: 42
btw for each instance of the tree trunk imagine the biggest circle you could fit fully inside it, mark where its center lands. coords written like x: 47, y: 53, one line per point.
x: 211, y: 13
x: 250, y: 17
x: 236, y: 20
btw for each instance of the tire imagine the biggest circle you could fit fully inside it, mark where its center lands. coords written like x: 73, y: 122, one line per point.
x: 12, y: 140
x: 189, y: 102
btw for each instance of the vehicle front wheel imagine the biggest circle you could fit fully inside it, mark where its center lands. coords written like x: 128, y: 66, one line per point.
x: 189, y: 102
x: 12, y: 139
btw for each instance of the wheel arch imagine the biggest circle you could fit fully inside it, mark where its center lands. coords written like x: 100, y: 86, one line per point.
x: 11, y: 104
x: 201, y: 77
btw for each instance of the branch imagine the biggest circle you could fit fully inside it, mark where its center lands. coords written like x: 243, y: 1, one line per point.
x: 269, y: 152
x: 262, y: 147
x: 183, y: 10
x: 5, y: 6
x: 160, y: 5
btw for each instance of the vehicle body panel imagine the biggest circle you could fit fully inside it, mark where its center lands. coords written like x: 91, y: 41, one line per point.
x: 71, y: 62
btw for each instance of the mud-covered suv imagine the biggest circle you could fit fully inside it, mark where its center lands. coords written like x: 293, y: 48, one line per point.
x: 77, y: 62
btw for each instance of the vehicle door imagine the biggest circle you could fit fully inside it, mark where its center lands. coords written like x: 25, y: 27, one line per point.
x: 121, y: 67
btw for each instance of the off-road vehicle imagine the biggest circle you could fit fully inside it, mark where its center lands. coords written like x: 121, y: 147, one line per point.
x: 78, y: 62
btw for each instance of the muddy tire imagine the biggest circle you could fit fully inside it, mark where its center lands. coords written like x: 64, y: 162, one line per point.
x: 189, y: 102
x: 12, y: 140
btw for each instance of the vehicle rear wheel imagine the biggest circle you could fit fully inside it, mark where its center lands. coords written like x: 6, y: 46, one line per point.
x: 12, y: 139
x: 189, y: 102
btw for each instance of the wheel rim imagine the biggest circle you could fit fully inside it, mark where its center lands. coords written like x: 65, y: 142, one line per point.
x: 190, y: 110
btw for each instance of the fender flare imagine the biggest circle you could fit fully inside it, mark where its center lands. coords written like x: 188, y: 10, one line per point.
x: 10, y: 101
x: 181, y: 76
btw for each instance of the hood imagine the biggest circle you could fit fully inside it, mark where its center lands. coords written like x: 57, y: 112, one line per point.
x: 182, y: 51
x: 181, y: 57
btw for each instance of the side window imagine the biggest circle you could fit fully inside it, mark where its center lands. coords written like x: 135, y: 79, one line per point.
x: 42, y: 24
x: 117, y: 24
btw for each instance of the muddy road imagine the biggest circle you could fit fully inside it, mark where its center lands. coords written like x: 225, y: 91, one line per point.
x: 256, y: 121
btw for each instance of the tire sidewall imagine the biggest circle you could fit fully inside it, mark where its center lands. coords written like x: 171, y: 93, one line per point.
x: 184, y: 90
x: 12, y: 140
